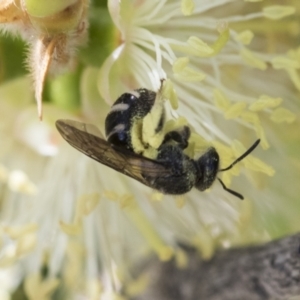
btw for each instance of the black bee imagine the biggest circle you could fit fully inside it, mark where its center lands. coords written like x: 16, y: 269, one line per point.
x: 169, y: 171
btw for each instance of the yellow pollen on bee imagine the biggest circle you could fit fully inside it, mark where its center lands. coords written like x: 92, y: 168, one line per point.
x: 150, y: 153
x: 136, y: 136
x: 151, y: 121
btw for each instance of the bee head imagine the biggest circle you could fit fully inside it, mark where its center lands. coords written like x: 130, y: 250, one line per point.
x: 208, y: 167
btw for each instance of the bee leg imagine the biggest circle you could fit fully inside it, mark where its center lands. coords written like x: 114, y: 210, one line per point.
x: 152, y: 127
x: 179, y: 136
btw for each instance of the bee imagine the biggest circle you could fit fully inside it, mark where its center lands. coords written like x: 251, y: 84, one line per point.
x: 156, y: 160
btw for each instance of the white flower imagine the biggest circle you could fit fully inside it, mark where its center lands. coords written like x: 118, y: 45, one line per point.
x: 88, y: 224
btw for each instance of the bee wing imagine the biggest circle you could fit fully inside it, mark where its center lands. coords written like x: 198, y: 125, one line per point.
x: 63, y: 125
x: 88, y: 139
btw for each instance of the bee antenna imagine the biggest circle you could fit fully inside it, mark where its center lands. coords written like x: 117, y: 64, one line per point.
x: 241, y: 157
x: 230, y: 191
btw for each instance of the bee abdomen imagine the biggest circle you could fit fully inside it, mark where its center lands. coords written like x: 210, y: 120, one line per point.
x: 127, y: 108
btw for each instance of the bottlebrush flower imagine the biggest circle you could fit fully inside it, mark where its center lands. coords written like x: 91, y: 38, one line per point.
x: 73, y: 228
